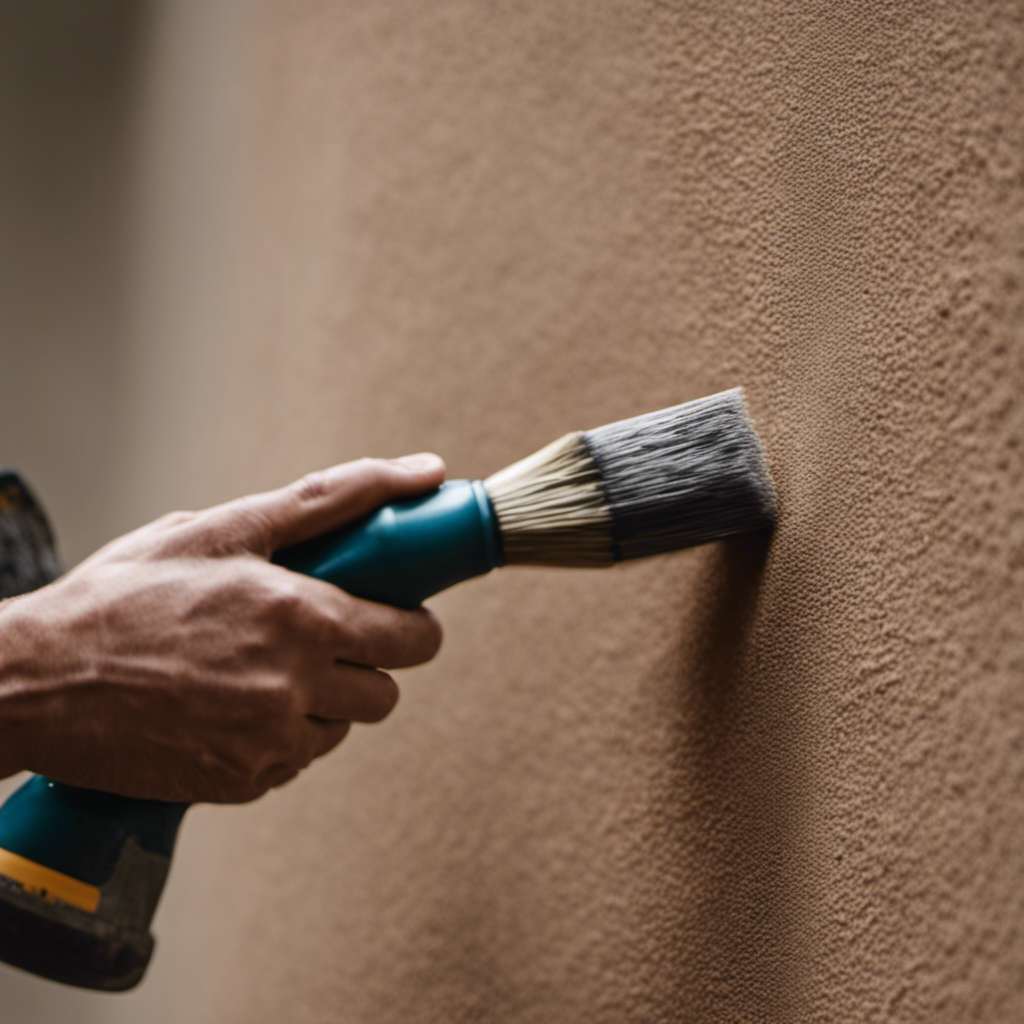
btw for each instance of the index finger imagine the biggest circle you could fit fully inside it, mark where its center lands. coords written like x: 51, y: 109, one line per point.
x: 322, y: 501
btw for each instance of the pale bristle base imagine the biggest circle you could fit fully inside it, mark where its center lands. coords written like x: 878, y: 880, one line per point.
x: 551, y: 508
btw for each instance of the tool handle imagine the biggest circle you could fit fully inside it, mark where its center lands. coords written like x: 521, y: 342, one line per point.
x: 408, y: 550
x: 81, y: 871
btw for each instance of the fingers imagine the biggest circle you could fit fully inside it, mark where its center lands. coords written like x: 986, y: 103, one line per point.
x: 326, y: 735
x: 321, y: 501
x: 377, y: 635
x: 333, y: 625
x: 322, y: 654
x: 351, y: 693
x: 347, y: 643
x: 319, y: 737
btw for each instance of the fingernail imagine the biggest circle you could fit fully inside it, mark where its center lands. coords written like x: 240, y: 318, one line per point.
x: 421, y: 462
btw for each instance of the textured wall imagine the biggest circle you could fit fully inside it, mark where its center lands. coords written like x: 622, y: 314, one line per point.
x: 746, y: 782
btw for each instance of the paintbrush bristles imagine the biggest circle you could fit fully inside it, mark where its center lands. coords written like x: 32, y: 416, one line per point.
x: 671, y: 479
x: 551, y: 509
x: 683, y: 476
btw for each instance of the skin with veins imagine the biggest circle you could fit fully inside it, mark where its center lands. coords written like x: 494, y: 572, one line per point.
x: 177, y: 663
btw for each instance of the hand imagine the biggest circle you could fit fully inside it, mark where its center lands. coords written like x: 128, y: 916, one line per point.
x: 177, y: 663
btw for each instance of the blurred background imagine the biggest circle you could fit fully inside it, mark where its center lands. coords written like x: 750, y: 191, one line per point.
x: 121, y: 127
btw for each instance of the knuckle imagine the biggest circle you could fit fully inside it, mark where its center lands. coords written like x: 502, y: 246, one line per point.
x: 288, y: 597
x: 238, y: 583
x: 283, y: 707
x: 284, y: 604
x: 256, y: 652
x: 312, y: 487
x: 248, y: 526
x: 374, y: 475
x: 323, y: 625
x: 170, y: 520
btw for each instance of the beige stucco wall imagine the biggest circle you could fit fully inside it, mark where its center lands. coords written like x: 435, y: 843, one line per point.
x: 735, y: 784
x: 746, y: 782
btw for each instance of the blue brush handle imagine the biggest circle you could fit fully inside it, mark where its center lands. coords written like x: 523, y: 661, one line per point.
x: 409, y: 550
x: 400, y: 554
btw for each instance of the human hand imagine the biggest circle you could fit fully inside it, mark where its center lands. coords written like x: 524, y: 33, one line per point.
x: 177, y: 663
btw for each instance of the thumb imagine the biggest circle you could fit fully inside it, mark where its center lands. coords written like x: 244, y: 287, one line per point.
x: 324, y: 500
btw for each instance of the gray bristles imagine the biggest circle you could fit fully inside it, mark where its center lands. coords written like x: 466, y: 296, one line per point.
x: 673, y: 478
x: 682, y: 476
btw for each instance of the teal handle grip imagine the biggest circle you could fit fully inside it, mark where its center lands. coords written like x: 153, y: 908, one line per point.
x: 400, y: 554
x: 408, y: 550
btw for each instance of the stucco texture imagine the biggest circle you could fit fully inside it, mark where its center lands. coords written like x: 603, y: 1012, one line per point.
x: 758, y: 781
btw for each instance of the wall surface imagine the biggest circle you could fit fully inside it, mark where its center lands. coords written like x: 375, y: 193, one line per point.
x: 774, y: 782
x: 751, y: 782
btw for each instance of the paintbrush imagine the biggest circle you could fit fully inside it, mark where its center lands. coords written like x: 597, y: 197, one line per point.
x: 643, y: 486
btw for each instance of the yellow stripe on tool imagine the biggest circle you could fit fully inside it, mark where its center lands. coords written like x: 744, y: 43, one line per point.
x: 50, y: 884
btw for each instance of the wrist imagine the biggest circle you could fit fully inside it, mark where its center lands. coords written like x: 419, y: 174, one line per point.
x: 11, y: 682
x: 20, y: 684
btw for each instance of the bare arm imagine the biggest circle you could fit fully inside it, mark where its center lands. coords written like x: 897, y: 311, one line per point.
x: 178, y: 663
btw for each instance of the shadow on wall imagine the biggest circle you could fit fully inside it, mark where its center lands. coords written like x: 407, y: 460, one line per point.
x: 735, y: 765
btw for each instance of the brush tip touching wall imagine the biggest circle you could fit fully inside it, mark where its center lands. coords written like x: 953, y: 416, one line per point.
x: 666, y: 480
x: 685, y: 475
